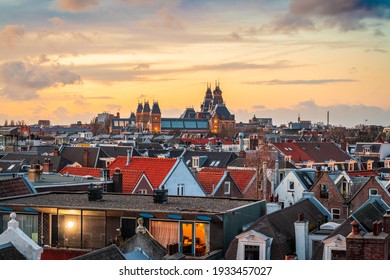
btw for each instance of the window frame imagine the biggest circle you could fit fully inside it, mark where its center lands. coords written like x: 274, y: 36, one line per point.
x: 226, y: 187
x: 333, y: 210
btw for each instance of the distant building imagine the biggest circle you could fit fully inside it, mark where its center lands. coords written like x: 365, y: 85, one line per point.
x: 44, y: 123
x: 213, y: 117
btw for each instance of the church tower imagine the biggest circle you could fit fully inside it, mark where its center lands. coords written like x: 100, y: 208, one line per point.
x: 146, y: 116
x: 138, y: 116
x: 155, y: 126
x: 217, y: 95
x: 208, y: 100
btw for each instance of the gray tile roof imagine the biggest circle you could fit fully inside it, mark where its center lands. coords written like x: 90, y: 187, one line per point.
x: 9, y: 252
x: 147, y: 243
x: 279, y: 225
x: 111, y: 252
x: 127, y: 202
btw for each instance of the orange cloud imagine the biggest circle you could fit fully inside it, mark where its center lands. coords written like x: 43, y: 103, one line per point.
x: 10, y: 35
x: 77, y: 5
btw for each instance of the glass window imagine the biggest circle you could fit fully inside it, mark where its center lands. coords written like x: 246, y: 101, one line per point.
x: 94, y: 228
x: 226, y: 188
x: 335, y: 213
x: 164, y: 232
x: 187, y: 240
x: 180, y: 189
x: 202, y: 233
x: 324, y: 191
x: 373, y: 191
x: 69, y: 228
x: 27, y: 223
x: 252, y: 252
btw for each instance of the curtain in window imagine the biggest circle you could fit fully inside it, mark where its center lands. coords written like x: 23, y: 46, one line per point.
x: 165, y: 232
x: 27, y: 223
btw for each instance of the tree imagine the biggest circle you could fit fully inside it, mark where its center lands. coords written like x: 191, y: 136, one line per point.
x: 6, y: 123
x: 12, y: 123
x: 261, y: 160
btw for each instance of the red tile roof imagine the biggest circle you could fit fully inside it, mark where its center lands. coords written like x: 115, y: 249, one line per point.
x: 156, y: 169
x: 13, y: 187
x: 130, y: 179
x: 242, y: 177
x: 362, y: 173
x: 81, y: 171
x: 210, y: 178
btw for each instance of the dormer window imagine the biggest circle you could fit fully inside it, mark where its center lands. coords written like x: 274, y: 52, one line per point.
x: 291, y: 186
x: 195, y: 161
x: 367, y: 150
x: 351, y: 165
x: 369, y: 164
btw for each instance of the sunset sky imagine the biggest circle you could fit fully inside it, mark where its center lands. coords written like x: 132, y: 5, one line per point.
x: 68, y: 60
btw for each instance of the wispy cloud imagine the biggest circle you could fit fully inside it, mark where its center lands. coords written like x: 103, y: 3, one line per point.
x: 301, y: 82
x: 10, y: 35
x: 76, y: 6
x: 22, y: 80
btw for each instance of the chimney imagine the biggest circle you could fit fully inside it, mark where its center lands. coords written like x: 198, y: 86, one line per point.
x: 95, y: 193
x: 386, y: 222
x: 85, y: 157
x: 355, y: 228
x: 47, y: 165
x: 376, y: 228
x: 160, y: 195
x: 128, y: 157
x: 118, y: 115
x: 35, y: 173
x: 241, y: 139
x: 117, y: 179
x: 301, y: 238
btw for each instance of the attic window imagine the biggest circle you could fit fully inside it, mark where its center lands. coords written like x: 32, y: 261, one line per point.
x: 367, y: 150
x: 373, y: 191
x: 212, y: 163
x: 217, y: 163
x: 226, y: 188
x: 324, y: 191
x: 291, y: 186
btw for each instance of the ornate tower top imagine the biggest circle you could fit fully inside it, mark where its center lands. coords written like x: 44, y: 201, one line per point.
x: 140, y: 107
x: 156, y: 108
x: 146, y: 107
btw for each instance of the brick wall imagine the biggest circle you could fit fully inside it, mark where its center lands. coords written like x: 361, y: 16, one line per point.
x: 334, y: 200
x: 363, y: 194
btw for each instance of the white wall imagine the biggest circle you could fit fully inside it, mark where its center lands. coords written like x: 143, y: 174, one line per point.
x: 282, y: 190
x: 182, y: 175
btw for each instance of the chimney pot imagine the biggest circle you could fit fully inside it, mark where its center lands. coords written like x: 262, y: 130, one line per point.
x: 355, y: 227
x: 300, y: 217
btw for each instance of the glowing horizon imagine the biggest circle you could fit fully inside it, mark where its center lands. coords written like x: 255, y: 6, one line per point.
x: 69, y: 60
